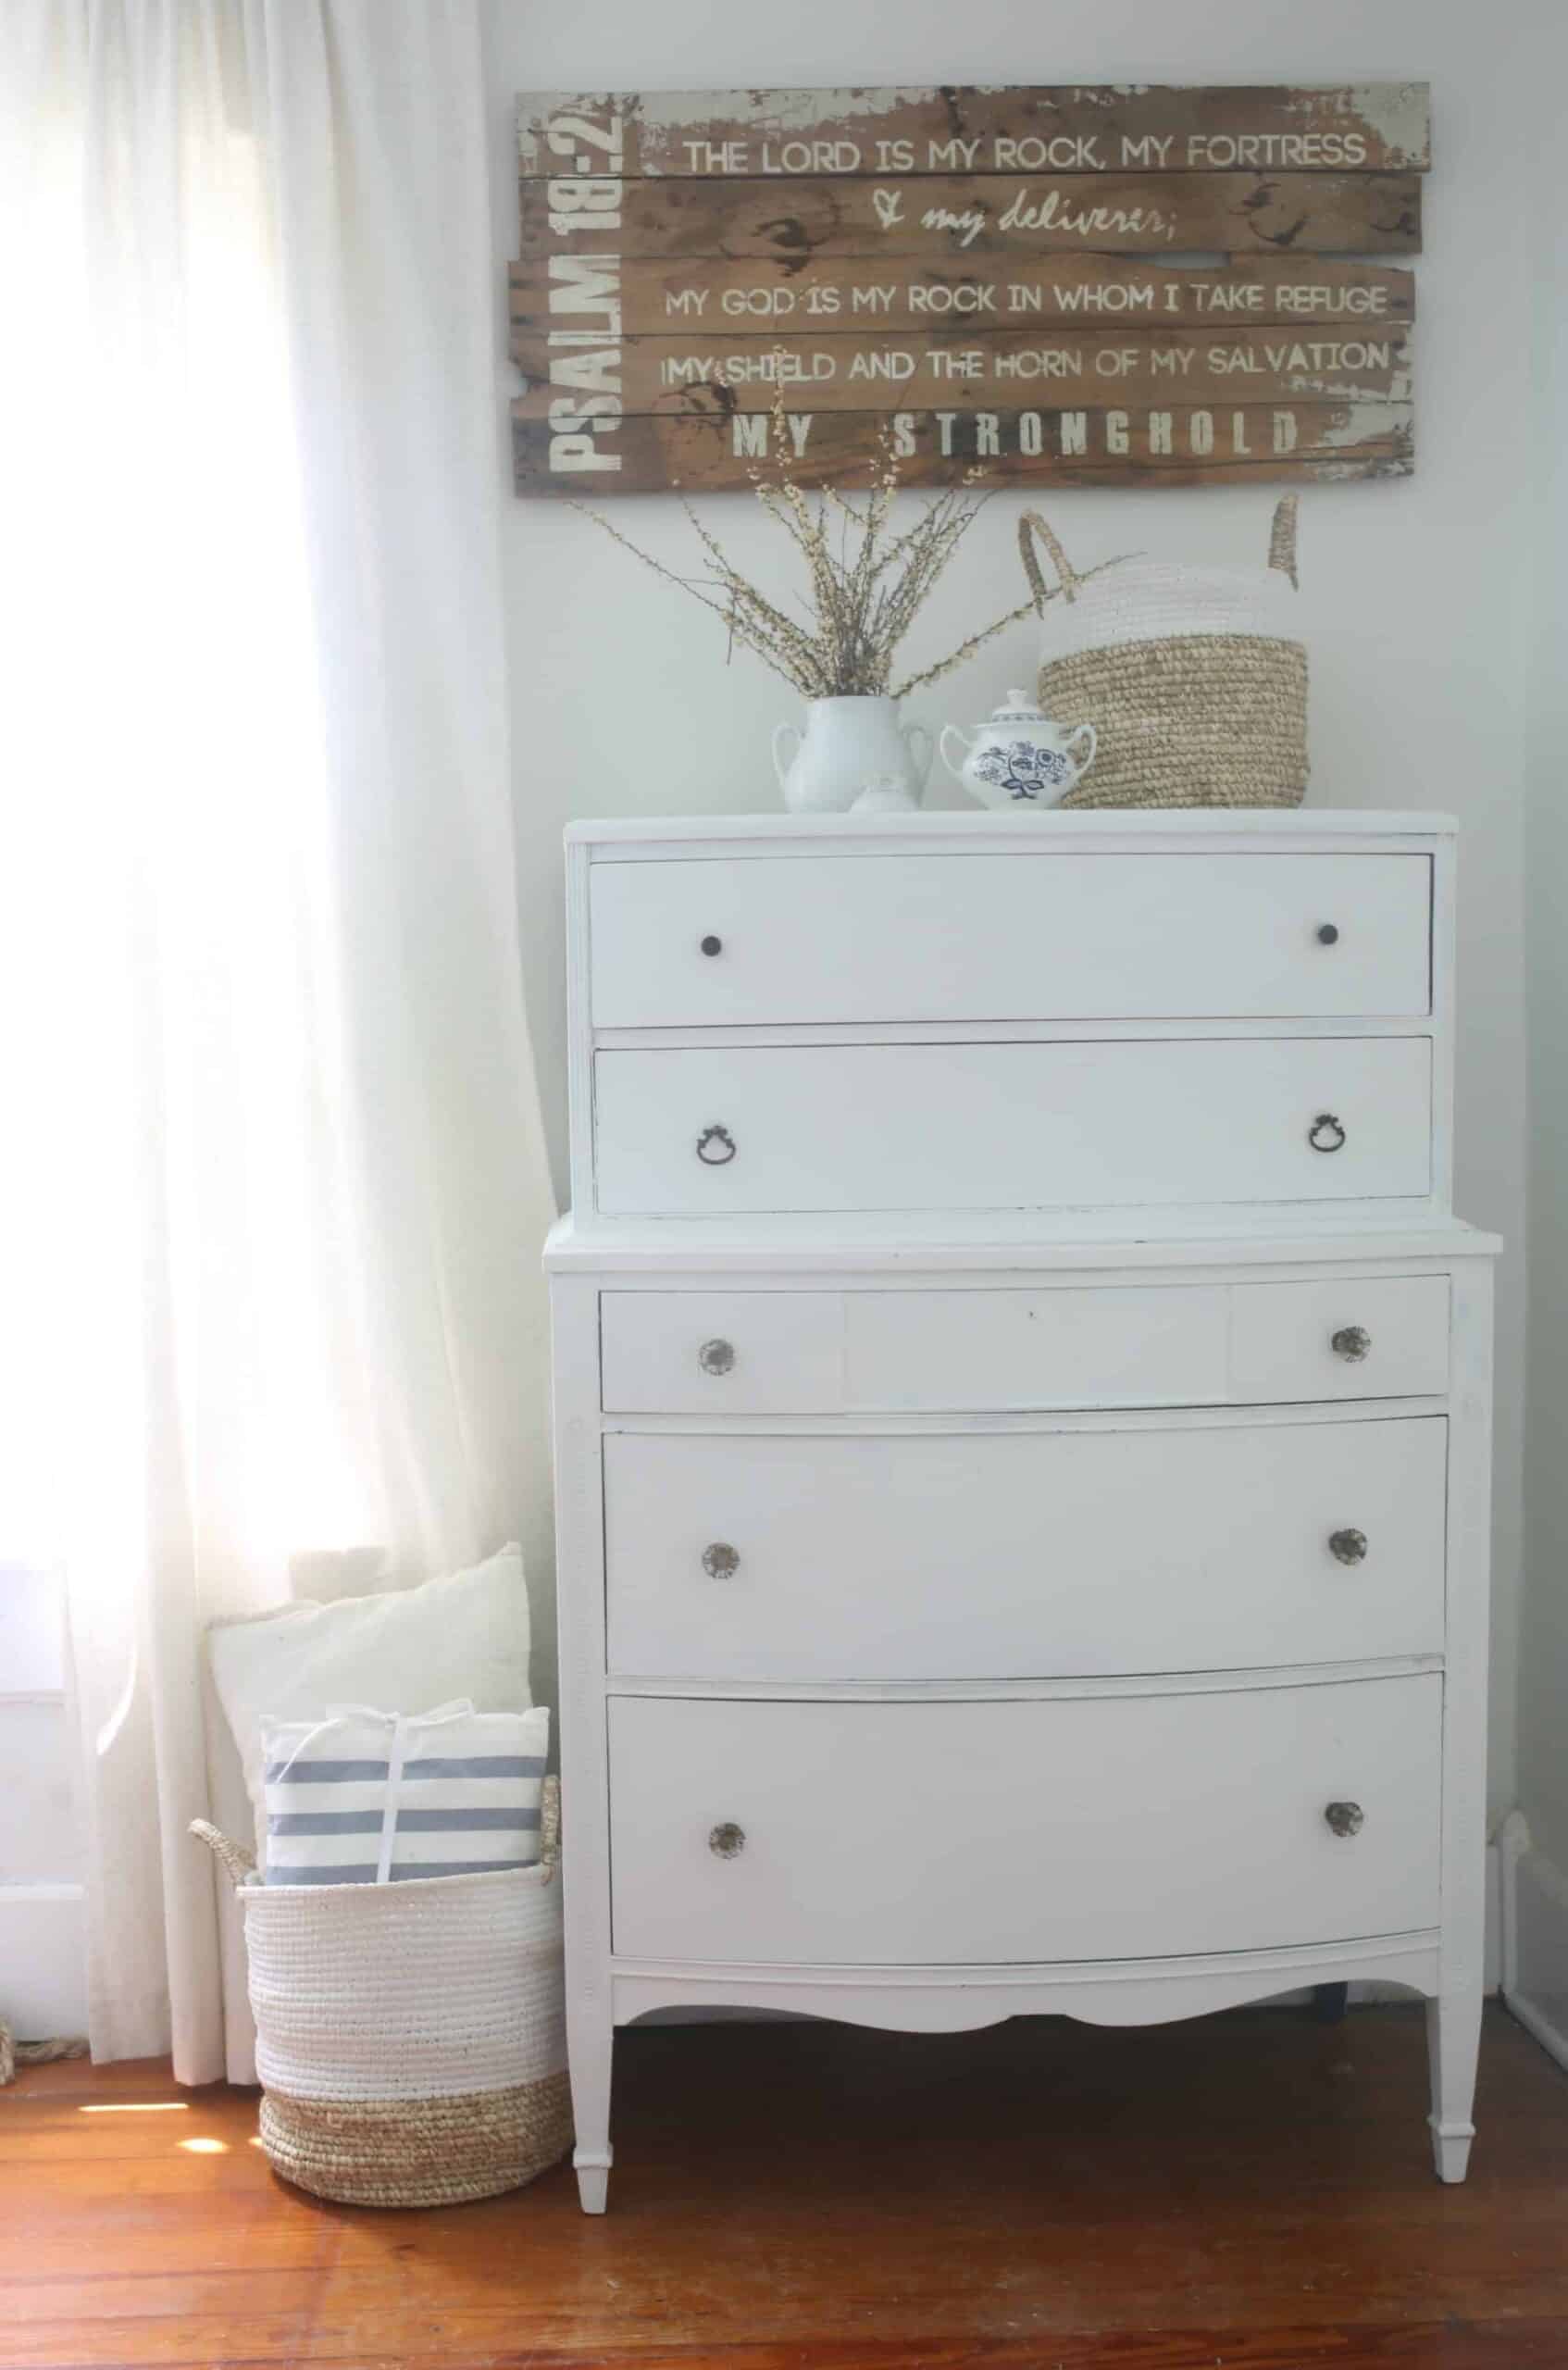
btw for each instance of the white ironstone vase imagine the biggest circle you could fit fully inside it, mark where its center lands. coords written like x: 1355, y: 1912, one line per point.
x: 847, y: 743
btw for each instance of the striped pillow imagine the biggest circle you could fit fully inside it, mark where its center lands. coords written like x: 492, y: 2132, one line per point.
x: 365, y: 1797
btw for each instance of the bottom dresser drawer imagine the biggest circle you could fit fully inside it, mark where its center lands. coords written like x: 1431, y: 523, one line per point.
x: 973, y: 1833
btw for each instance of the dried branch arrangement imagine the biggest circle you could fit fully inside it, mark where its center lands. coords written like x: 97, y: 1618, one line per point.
x: 867, y: 584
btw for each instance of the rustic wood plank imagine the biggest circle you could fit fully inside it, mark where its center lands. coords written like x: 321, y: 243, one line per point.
x: 1129, y: 445
x: 959, y: 366
x: 963, y: 215
x: 1061, y: 127
x: 1253, y: 2189
x: 657, y: 297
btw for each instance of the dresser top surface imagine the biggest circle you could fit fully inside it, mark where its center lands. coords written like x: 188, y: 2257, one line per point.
x: 1250, y: 825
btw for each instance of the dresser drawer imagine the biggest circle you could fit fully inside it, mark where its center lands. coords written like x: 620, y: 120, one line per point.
x: 1023, y: 1555
x: 1115, y: 1124
x: 1110, y: 1828
x: 976, y: 936
x: 787, y: 1353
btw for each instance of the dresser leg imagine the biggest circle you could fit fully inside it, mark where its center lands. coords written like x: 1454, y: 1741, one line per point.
x: 1454, y: 2041
x: 590, y: 2040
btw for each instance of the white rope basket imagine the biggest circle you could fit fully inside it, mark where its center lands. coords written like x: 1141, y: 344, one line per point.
x: 410, y: 2038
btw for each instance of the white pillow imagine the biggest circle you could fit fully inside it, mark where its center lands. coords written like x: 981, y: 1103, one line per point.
x: 407, y: 1650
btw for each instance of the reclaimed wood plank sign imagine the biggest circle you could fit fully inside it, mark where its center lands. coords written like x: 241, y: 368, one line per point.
x: 1069, y: 285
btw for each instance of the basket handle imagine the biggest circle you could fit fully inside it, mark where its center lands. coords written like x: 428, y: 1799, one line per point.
x: 240, y: 1863
x: 1282, y: 539
x: 550, y: 1829
x: 1069, y: 578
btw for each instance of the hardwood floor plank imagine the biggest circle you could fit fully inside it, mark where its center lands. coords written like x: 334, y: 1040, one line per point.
x: 1253, y: 2190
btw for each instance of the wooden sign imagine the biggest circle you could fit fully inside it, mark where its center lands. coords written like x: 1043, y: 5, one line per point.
x: 1004, y: 284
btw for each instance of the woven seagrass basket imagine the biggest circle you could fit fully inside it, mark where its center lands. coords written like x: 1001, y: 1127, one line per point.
x: 410, y: 2038
x: 1195, y: 687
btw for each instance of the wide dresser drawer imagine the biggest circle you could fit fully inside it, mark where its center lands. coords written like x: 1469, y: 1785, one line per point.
x: 1002, y: 1348
x: 1113, y: 1124
x: 987, y: 1833
x: 1023, y: 1555
x: 833, y: 939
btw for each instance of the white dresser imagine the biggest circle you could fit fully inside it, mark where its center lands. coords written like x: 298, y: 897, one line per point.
x: 1022, y: 1427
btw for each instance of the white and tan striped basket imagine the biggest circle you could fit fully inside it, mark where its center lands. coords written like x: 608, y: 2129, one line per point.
x: 410, y: 2038
x: 1191, y: 676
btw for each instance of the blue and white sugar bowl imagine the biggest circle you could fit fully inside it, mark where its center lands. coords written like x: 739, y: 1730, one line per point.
x: 1020, y: 758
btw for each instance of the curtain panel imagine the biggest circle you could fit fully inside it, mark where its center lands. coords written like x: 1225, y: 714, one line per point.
x: 272, y: 1218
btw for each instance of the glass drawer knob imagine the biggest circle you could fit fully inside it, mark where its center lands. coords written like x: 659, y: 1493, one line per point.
x: 711, y: 945
x: 727, y: 1841
x: 717, y: 1357
x: 1327, y: 934
x: 1325, y: 1134
x: 1351, y: 1343
x: 720, y: 1561
x: 715, y: 1146
x: 1345, y: 1818
x: 1347, y: 1546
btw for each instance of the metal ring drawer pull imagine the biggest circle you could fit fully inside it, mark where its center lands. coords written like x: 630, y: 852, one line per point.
x: 715, y: 1146
x: 1352, y: 1343
x: 716, y: 1356
x: 720, y: 1560
x: 1325, y: 1134
x: 1344, y: 1818
x: 1347, y: 1546
x: 727, y: 1841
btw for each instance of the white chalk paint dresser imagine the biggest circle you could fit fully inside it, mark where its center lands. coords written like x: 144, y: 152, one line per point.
x: 1023, y: 1414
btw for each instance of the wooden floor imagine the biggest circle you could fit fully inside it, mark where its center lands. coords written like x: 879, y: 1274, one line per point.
x: 1251, y: 2191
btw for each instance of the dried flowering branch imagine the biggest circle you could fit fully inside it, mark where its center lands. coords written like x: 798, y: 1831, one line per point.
x: 864, y: 595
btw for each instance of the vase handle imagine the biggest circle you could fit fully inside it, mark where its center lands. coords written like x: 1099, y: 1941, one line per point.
x: 921, y: 766
x: 781, y: 765
x: 961, y: 742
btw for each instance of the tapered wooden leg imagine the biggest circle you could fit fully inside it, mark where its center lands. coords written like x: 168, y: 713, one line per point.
x: 1454, y: 2041
x: 590, y: 2047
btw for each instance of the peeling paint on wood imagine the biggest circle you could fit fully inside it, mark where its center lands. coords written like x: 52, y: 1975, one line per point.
x: 718, y: 297
x: 967, y: 213
x: 1095, y: 368
x: 1375, y: 127
x: 1132, y: 445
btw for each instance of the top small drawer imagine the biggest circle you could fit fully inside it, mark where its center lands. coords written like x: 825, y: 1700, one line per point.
x: 1049, y: 936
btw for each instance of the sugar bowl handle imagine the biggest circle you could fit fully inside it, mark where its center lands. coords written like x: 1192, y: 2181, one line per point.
x: 1080, y: 732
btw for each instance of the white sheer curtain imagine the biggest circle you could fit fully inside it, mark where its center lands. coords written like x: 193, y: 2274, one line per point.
x: 274, y: 1188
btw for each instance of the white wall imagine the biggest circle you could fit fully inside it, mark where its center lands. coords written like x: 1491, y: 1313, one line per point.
x: 1416, y: 593
x: 1537, y: 1860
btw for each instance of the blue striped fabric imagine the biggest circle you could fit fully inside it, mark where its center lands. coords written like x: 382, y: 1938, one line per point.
x: 363, y: 1797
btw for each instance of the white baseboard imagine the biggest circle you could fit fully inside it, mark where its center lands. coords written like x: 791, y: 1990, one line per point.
x: 43, y: 1959
x: 1535, y: 1937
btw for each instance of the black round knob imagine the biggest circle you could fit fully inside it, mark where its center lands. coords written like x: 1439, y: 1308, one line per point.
x: 1327, y: 934
x: 711, y: 945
